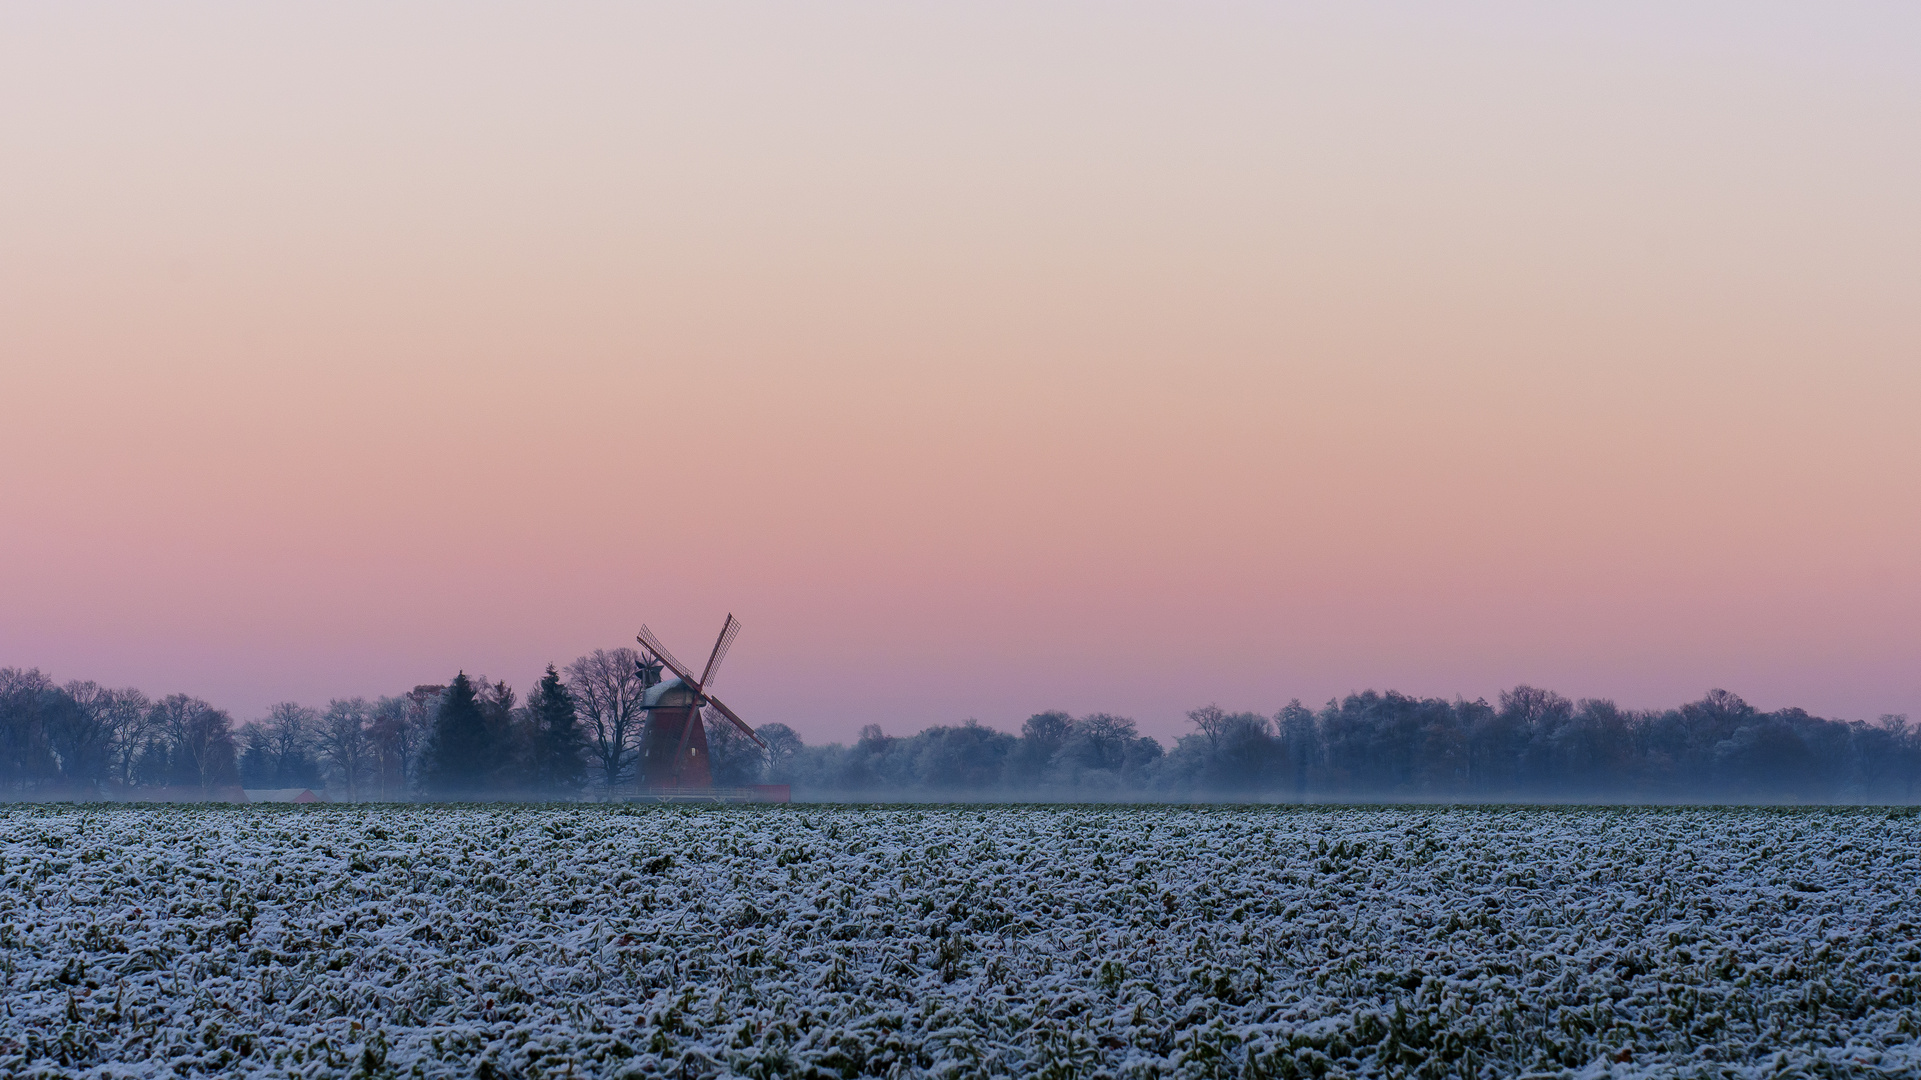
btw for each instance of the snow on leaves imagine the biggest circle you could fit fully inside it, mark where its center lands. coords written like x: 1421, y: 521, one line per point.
x: 957, y: 941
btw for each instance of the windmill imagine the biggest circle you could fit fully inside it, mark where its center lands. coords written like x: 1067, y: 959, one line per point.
x: 673, y: 754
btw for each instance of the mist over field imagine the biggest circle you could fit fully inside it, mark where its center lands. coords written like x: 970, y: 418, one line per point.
x: 580, y: 735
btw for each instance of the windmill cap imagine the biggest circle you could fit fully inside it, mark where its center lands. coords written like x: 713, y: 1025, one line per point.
x: 667, y: 694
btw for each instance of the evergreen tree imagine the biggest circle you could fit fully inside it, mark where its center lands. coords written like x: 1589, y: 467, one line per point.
x: 559, y: 765
x: 508, y: 766
x: 462, y: 757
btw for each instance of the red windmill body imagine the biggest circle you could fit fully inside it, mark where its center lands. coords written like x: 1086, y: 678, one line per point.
x: 673, y: 748
x: 674, y: 754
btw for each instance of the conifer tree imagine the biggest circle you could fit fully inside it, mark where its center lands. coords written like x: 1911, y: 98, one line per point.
x: 509, y: 751
x: 560, y: 748
x: 462, y: 756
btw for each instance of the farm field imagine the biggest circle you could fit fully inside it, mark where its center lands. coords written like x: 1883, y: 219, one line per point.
x: 958, y: 941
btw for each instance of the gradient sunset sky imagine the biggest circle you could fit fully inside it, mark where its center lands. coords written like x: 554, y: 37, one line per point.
x: 982, y: 357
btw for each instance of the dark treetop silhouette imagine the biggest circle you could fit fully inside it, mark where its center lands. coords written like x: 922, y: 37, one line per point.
x: 582, y: 735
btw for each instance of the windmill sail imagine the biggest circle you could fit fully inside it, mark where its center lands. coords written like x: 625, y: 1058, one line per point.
x: 728, y: 630
x: 646, y: 637
x: 738, y: 722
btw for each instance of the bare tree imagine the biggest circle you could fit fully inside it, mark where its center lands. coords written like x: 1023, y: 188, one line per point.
x: 1213, y: 721
x: 1103, y: 740
x: 607, y: 692
x: 1300, y: 740
x: 291, y: 731
x: 736, y: 759
x: 129, y: 719
x: 26, y: 758
x: 199, y: 741
x: 394, y: 742
x: 80, y: 735
x: 784, y: 748
x: 344, y: 743
x: 401, y: 729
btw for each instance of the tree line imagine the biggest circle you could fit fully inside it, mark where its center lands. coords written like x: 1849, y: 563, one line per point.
x: 1530, y: 745
x: 468, y: 738
x: 580, y: 730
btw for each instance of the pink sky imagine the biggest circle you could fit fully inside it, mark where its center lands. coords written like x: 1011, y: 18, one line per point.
x: 983, y: 358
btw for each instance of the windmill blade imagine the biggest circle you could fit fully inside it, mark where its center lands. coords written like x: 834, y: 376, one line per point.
x: 721, y: 644
x: 646, y: 637
x: 738, y: 722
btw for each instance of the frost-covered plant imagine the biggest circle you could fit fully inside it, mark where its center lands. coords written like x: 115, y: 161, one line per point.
x: 926, y: 941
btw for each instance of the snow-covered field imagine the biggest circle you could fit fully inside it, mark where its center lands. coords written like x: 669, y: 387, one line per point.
x: 957, y: 941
